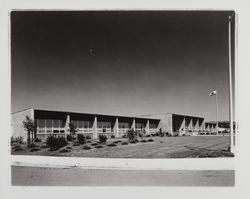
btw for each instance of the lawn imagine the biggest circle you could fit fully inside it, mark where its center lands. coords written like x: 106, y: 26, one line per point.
x: 162, y: 147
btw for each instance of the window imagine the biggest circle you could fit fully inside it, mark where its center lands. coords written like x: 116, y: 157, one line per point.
x: 56, y: 123
x: 40, y: 123
x: 152, y: 126
x: 139, y: 125
x: 104, y: 125
x: 48, y: 123
x: 123, y: 125
x: 62, y: 123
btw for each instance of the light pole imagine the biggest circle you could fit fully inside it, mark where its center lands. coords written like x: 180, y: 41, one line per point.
x: 230, y: 85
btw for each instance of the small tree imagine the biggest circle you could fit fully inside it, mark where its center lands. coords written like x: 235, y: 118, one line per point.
x: 132, y: 136
x: 72, y: 129
x: 30, y: 127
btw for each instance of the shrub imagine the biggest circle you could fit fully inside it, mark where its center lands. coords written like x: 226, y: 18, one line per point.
x: 64, y: 151
x: 161, y: 134
x: 18, y: 140
x: 94, y: 144
x: 124, y: 143
x: 117, y: 141
x: 32, y: 145
x: 112, y: 136
x: 69, y: 138
x: 81, y: 138
x: 134, y: 141
x: 76, y: 144
x: 140, y: 135
x: 202, y: 155
x: 124, y: 136
x: 88, y: 137
x: 112, y: 144
x: 153, y: 134
x: 44, y: 146
x: 86, y: 147
x: 157, y: 134
x: 53, y: 149
x: 56, y: 142
x: 147, y: 136
x: 34, y: 149
x: 88, y: 141
x: 37, y: 140
x: 17, y: 148
x: 99, y: 146
x: 143, y: 140
x: 213, y: 154
x: 132, y: 136
x: 102, y: 138
x: 150, y: 140
x: 68, y: 147
x: 227, y: 154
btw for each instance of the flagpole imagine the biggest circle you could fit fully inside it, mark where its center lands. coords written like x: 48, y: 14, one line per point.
x: 230, y: 86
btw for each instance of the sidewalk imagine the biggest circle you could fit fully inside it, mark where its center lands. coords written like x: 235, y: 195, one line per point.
x: 125, y: 164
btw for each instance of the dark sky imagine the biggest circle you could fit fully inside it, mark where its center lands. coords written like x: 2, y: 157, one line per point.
x: 126, y: 63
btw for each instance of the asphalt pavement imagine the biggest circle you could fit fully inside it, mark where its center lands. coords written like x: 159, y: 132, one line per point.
x: 75, y: 176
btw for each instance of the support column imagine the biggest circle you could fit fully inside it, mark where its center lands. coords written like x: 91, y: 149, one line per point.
x: 147, y: 127
x: 191, y: 124
x: 184, y: 124
x: 133, y: 125
x: 95, y: 128
x: 67, y: 130
x: 116, y: 128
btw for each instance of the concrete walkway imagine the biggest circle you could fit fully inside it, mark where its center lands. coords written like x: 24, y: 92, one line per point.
x: 125, y: 164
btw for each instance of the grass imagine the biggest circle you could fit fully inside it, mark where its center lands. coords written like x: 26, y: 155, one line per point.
x: 162, y: 147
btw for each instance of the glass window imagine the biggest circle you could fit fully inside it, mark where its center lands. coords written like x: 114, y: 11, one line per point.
x: 40, y: 123
x: 80, y: 124
x: 49, y: 123
x: 56, y: 123
x: 152, y: 126
x: 86, y: 124
x: 62, y: 123
x: 99, y: 124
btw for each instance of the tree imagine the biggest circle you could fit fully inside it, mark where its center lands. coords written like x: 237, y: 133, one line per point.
x: 72, y: 129
x: 30, y: 127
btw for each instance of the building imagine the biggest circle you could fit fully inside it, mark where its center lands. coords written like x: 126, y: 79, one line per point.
x: 57, y: 122
x: 177, y: 124
x: 210, y: 127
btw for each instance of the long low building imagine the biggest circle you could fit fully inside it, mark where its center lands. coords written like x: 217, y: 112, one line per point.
x: 57, y: 122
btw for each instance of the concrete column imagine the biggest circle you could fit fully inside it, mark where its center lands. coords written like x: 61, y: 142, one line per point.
x: 197, y: 125
x: 147, y: 127
x: 184, y: 122
x: 182, y: 125
x: 67, y: 124
x: 52, y: 128
x: 116, y: 128
x: 191, y: 123
x: 133, y: 124
x: 95, y: 128
x: 45, y: 128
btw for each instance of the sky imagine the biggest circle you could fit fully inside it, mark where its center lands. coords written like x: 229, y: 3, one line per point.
x: 120, y: 62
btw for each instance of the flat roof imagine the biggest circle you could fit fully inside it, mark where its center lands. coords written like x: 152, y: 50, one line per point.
x: 92, y: 114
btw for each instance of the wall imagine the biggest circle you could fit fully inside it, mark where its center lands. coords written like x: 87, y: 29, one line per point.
x: 16, y: 122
